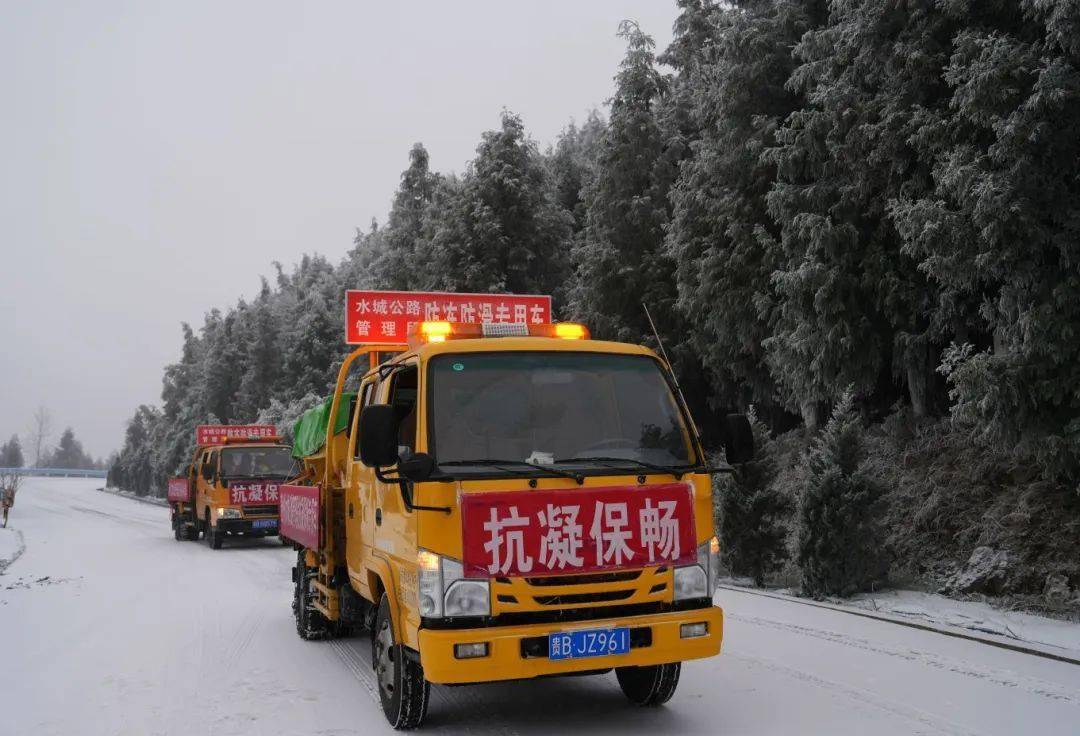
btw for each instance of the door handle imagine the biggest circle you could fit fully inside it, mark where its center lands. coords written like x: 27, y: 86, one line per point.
x: 378, y: 517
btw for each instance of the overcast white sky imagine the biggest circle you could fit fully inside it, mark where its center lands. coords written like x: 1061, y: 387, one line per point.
x: 157, y: 157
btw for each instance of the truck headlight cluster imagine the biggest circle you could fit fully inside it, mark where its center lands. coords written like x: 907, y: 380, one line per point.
x: 444, y: 591
x: 228, y: 513
x: 699, y: 581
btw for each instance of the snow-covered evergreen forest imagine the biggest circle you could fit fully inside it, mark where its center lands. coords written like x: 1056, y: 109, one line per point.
x: 812, y: 198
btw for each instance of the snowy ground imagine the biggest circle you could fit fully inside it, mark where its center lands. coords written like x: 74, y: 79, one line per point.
x: 111, y: 627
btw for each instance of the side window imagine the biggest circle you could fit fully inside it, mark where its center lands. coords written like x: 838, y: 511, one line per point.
x: 403, y: 394
x: 367, y: 391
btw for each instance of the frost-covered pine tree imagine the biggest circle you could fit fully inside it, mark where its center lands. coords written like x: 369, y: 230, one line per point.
x: 734, y: 62
x: 621, y: 261
x: 751, y: 511
x: 503, y: 231
x: 839, y: 518
x: 11, y: 454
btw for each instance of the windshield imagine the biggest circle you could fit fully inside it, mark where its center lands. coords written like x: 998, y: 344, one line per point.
x: 552, y: 407
x: 257, y: 462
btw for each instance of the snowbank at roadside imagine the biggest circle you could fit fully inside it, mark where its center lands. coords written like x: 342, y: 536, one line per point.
x: 971, y: 615
x: 153, y: 500
x: 11, y: 546
x: 946, y: 614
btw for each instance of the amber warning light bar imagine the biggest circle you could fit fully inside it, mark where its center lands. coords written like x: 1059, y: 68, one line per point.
x: 429, y: 332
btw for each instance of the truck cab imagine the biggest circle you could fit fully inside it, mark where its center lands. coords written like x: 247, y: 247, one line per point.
x: 511, y: 502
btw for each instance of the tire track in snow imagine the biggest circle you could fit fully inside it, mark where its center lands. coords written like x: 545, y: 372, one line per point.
x: 359, y: 667
x: 1004, y: 678
x: 126, y: 521
x: 931, y: 724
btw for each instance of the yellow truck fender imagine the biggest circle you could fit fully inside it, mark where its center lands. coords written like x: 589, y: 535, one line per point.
x: 380, y: 580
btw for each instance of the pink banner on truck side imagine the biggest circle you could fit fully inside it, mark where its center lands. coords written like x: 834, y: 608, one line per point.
x: 299, y: 513
x: 178, y: 490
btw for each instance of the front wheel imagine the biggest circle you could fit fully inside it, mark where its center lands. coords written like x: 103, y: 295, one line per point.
x: 651, y: 685
x: 213, y: 537
x: 402, y: 687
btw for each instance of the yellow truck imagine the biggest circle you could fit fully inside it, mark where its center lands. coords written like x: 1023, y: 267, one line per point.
x: 231, y: 486
x: 507, y: 501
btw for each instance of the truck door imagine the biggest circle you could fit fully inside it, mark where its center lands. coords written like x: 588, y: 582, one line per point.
x: 360, y: 495
x: 205, y: 482
x: 395, y: 526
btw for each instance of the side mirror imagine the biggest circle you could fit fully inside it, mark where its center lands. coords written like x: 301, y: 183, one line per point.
x: 738, y: 439
x: 416, y: 467
x: 378, y: 436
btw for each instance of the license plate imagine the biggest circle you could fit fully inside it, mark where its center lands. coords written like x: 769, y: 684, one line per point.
x: 264, y: 524
x: 588, y: 643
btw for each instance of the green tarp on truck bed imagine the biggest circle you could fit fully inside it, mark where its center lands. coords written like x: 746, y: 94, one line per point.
x: 309, y: 432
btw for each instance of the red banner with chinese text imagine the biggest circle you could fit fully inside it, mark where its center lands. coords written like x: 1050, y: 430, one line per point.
x: 299, y: 514
x: 216, y: 434
x: 385, y: 317
x: 253, y: 492
x: 178, y: 490
x: 571, y: 531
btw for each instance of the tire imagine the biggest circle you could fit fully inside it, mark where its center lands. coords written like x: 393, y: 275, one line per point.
x: 649, y: 686
x: 402, y: 687
x: 191, y: 533
x: 310, y: 624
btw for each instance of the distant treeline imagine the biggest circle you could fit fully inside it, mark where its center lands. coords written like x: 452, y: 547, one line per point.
x: 809, y: 196
x: 67, y: 455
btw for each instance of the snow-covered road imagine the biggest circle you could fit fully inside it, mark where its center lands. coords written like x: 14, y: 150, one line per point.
x: 111, y: 627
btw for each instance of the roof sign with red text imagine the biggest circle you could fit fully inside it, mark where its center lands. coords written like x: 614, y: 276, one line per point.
x: 386, y: 317
x: 219, y: 434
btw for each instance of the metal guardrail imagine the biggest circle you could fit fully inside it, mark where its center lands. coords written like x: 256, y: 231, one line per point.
x: 56, y: 472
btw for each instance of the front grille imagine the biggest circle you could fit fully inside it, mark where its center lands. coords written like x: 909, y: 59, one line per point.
x: 564, y: 615
x: 266, y: 510
x: 571, y: 598
x: 588, y: 579
x: 584, y: 590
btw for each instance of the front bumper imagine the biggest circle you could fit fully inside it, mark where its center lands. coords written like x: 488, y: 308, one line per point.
x: 246, y: 526
x: 506, y: 659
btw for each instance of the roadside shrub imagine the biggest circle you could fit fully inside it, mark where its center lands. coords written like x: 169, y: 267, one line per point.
x: 840, y: 536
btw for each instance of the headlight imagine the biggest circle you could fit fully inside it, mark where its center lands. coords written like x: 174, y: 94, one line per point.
x: 699, y: 581
x: 468, y: 598
x: 691, y: 582
x: 708, y: 556
x: 228, y: 513
x: 430, y: 584
x: 444, y: 591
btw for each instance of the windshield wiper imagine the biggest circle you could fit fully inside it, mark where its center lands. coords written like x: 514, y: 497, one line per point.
x: 498, y: 464
x: 677, y: 470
